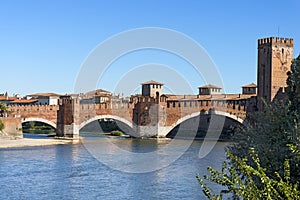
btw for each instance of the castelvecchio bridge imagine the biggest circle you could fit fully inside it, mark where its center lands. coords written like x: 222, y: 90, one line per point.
x: 151, y: 114
x: 155, y: 114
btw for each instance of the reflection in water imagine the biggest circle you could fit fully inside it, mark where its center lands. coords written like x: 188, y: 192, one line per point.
x: 70, y: 172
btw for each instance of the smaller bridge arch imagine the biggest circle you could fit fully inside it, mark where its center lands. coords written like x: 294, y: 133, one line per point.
x: 128, y: 123
x: 37, y: 119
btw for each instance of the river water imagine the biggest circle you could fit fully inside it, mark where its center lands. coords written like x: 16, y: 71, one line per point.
x: 71, y: 172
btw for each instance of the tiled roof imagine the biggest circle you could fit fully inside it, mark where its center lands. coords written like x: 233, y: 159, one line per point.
x: 249, y: 85
x: 24, y: 101
x: 3, y: 98
x: 210, y: 86
x: 44, y: 95
x: 151, y: 82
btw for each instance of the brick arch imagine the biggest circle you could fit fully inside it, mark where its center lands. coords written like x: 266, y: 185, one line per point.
x: 167, y: 130
x: 37, y: 119
x: 128, y: 123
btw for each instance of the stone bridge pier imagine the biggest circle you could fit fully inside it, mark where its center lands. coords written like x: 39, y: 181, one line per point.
x: 68, y: 117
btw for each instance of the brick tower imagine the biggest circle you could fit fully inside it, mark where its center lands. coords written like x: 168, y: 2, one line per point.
x: 275, y: 57
x: 152, y: 89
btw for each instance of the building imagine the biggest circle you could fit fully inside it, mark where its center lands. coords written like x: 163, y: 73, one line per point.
x: 152, y: 89
x: 209, y: 90
x: 45, y: 98
x: 23, y: 102
x: 249, y: 89
x: 5, y: 99
x: 102, y: 96
x: 96, y: 96
x: 275, y: 57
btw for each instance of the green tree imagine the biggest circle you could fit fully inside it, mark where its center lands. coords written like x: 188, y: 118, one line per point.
x: 32, y: 124
x: 293, y: 89
x: 3, y: 109
x: 241, y: 180
x: 269, y: 135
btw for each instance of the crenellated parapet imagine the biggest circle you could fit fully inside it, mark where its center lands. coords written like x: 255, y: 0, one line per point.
x: 32, y: 108
x: 276, y: 41
x: 176, y: 109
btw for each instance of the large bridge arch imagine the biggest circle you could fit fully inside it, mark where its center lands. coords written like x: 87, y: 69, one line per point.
x: 117, y: 118
x: 37, y: 119
x: 167, y: 130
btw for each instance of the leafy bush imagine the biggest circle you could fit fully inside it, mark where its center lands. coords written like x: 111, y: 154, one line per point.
x: 116, y: 133
x: 250, y: 182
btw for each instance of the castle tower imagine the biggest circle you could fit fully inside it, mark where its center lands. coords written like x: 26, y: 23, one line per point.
x: 275, y: 57
x: 152, y: 89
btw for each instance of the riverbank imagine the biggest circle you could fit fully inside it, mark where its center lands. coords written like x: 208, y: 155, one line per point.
x: 29, y: 142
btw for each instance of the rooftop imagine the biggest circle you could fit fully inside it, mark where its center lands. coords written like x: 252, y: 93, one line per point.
x: 210, y: 86
x: 4, y: 98
x: 227, y: 97
x: 44, y: 95
x: 251, y: 85
x: 97, y: 92
x: 24, y: 101
x: 151, y: 82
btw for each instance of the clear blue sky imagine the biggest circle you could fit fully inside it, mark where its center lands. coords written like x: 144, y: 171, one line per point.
x: 44, y: 43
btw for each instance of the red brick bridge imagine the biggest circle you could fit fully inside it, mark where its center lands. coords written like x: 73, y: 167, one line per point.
x: 139, y: 115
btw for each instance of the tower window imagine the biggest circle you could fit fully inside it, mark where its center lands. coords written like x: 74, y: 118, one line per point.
x: 282, y: 50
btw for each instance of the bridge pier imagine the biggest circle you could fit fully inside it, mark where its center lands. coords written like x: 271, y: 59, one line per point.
x: 68, y: 118
x: 155, y: 131
x: 68, y: 131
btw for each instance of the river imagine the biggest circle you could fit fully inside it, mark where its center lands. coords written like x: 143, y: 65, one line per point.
x: 72, y: 172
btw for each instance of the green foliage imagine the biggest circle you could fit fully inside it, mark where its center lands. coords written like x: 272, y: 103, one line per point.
x: 1, y: 125
x: 37, y: 128
x: 32, y: 124
x: 269, y: 134
x: 293, y: 89
x: 108, y: 125
x: 3, y: 109
x: 250, y: 182
x: 116, y: 133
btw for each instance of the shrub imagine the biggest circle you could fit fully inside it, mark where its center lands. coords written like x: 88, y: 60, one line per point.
x: 116, y: 133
